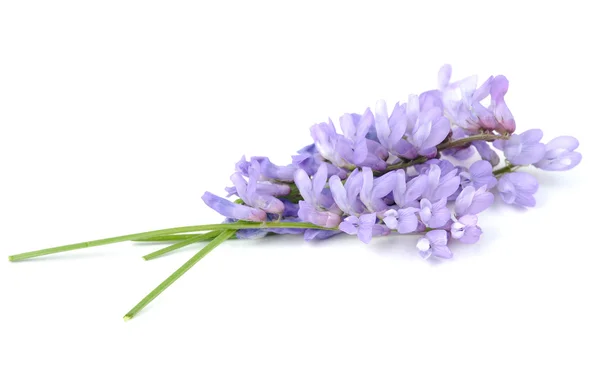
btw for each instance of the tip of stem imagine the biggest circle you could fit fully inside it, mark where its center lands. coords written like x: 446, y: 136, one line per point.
x: 127, y: 317
x: 11, y: 258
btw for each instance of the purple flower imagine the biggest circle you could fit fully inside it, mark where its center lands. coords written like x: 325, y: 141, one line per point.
x: 232, y: 210
x: 439, y: 187
x: 364, y: 226
x: 373, y: 191
x: 311, y: 189
x: 390, y: 130
x: 479, y: 174
x: 434, y: 243
x: 406, y: 193
x: 364, y: 152
x: 346, y: 196
x: 486, y: 152
x: 524, y: 148
x: 403, y: 220
x: 505, y: 119
x: 430, y: 129
x: 247, y: 191
x: 309, y: 213
x: 560, y: 154
x: 473, y: 201
x: 329, y: 144
x: 466, y: 230
x: 434, y: 215
x: 518, y: 188
x: 309, y: 160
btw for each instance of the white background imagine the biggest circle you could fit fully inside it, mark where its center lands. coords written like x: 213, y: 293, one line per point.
x: 117, y: 115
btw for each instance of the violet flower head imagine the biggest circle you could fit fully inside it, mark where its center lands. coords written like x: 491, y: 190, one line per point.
x: 363, y: 226
x: 466, y: 230
x: 323, y: 218
x: 314, y: 208
x: 232, y: 210
x: 560, y: 154
x: 365, y: 152
x: 479, y: 174
x: 434, y: 243
x: 518, y: 188
x: 329, y: 144
x: 472, y: 201
x: 524, y: 148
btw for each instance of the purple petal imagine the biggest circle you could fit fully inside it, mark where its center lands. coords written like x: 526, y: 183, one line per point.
x: 407, y: 220
x: 232, y: 210
x: 567, y: 143
x: 471, y: 234
x: 439, y: 131
x: 339, y: 194
x: 486, y: 153
x: 405, y: 149
x: 437, y: 237
x: 415, y: 188
x: 441, y: 252
x: 319, y: 180
x: 320, y: 218
x: 440, y: 214
x: 464, y: 200
x: 384, y: 185
x: 444, y: 76
x: 481, y: 201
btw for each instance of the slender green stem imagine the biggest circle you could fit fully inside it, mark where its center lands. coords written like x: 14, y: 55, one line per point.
x: 179, y: 272
x: 166, y: 238
x: 449, y: 144
x: 193, y: 239
x: 129, y: 237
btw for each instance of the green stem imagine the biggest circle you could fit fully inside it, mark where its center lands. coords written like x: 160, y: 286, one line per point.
x: 178, y: 273
x: 193, y: 239
x: 446, y: 145
x: 129, y: 237
x: 166, y: 238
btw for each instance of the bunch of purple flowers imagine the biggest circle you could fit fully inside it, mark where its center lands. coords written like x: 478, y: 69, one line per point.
x: 402, y: 171
x: 427, y: 167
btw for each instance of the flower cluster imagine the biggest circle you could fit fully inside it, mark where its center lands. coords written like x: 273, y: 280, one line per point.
x: 425, y: 167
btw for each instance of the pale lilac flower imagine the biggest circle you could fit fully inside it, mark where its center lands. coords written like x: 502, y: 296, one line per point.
x: 439, y: 187
x: 232, y: 210
x: 407, y: 193
x: 389, y: 130
x: 479, y: 174
x: 518, y: 188
x: 473, y: 201
x: 323, y: 218
x: 466, y: 230
x: 311, y: 189
x: 505, y: 119
x: 486, y: 152
x: 403, y: 220
x: 434, y: 215
x: 560, y: 154
x: 309, y: 160
x: 247, y: 191
x: 430, y: 129
x: 524, y: 148
x: 268, y: 170
x: 374, y: 190
x: 434, y: 243
x: 329, y: 144
x: 363, y: 226
x: 346, y: 196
